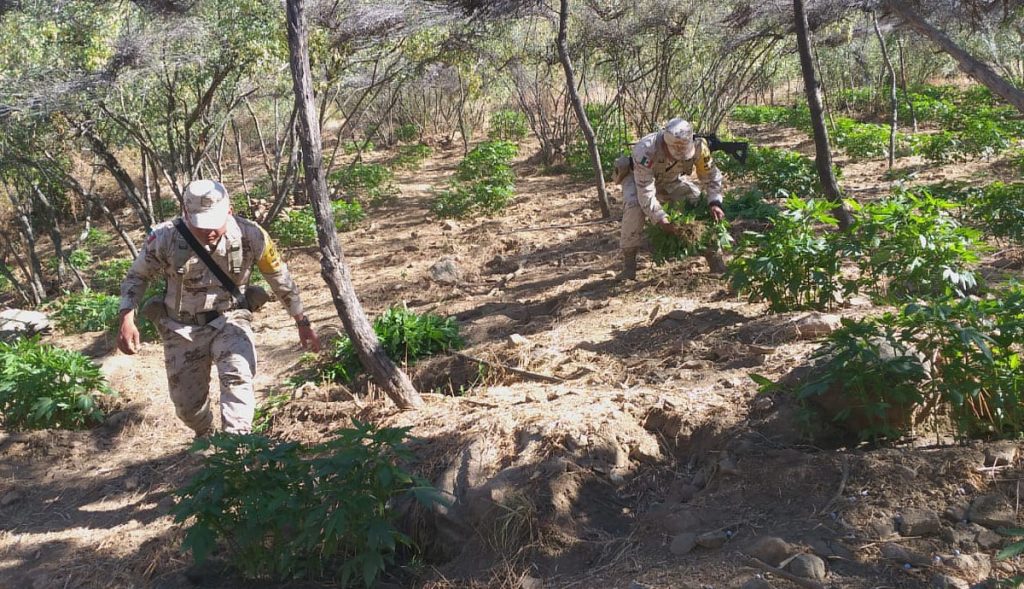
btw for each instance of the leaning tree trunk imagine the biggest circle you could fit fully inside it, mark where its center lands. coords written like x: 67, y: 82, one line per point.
x: 334, y: 269
x: 577, y: 107
x: 893, y: 110
x: 967, y: 62
x: 823, y: 154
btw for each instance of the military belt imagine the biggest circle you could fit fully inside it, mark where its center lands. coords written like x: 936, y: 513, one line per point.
x: 199, y: 318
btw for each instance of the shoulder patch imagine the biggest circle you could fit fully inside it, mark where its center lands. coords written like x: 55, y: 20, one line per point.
x: 646, y: 162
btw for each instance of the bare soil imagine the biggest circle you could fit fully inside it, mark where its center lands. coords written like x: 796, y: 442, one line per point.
x: 631, y: 421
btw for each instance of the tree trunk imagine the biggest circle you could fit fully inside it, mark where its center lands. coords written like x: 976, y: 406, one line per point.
x: 124, y: 179
x: 982, y: 73
x: 577, y: 107
x: 823, y: 154
x: 903, y: 81
x: 334, y: 269
x: 893, y: 111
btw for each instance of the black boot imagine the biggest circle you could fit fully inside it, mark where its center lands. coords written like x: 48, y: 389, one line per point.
x: 628, y: 265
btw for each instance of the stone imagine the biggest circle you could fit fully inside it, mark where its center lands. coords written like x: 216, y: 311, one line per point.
x: 960, y: 536
x: 757, y: 583
x: 811, y: 326
x: 683, y: 544
x: 715, y: 539
x: 882, y: 528
x: 727, y: 466
x: 770, y: 550
x: 972, y: 566
x: 693, y: 364
x: 991, y: 511
x: 919, y: 522
x: 678, y: 523
x: 449, y: 225
x: 20, y: 321
x: 1001, y: 454
x: 529, y: 582
x: 949, y: 582
x: 446, y: 271
x: 762, y: 404
x: 955, y: 513
x: 988, y: 539
x: 518, y: 341
x: 807, y: 566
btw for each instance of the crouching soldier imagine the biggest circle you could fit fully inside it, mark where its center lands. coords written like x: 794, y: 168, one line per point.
x: 204, y: 318
x: 660, y: 166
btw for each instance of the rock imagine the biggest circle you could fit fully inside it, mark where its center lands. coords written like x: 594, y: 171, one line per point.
x: 810, y: 326
x: 919, y: 522
x: 762, y: 403
x: 757, y: 583
x: 807, y: 566
x: 531, y: 583
x: 677, y: 523
x: 949, y: 582
x: 955, y: 513
x: 682, y: 492
x: 882, y: 529
x: 11, y: 498
x: 693, y: 364
x: 446, y: 271
x: 988, y: 539
x: 901, y: 556
x: 991, y: 511
x: 972, y: 566
x: 727, y: 466
x: 518, y: 341
x: 770, y: 550
x: 715, y: 539
x: 1001, y: 454
x: 960, y: 536
x: 679, y: 315
x: 19, y: 321
x: 683, y: 544
x: 449, y: 225
x: 639, y: 585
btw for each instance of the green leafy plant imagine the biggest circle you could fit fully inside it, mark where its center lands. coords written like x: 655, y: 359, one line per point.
x: 97, y: 238
x: 698, y: 232
x: 86, y: 311
x: 793, y: 264
x: 612, y: 138
x: 42, y: 386
x: 780, y: 173
x: 405, y: 337
x: 411, y: 156
x: 347, y: 214
x: 288, y: 511
x: 263, y: 416
x: 748, y: 204
x: 998, y: 209
x: 296, y: 227
x: 484, y: 182
x: 108, y: 275
x: 508, y: 125
x: 407, y: 132
x: 372, y: 183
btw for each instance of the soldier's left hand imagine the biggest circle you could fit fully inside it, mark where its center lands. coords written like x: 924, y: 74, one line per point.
x: 308, y: 338
x: 716, y: 211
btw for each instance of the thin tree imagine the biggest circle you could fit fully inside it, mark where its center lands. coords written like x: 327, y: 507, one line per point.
x: 893, y: 110
x: 333, y: 267
x: 577, y: 107
x: 823, y: 154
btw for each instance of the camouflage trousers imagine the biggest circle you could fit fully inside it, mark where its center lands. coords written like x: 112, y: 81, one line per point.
x: 633, y: 217
x: 227, y: 342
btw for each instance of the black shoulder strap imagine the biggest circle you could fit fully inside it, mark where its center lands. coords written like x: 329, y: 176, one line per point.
x: 204, y: 255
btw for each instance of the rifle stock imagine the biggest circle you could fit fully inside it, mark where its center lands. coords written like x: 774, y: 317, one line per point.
x: 737, y: 149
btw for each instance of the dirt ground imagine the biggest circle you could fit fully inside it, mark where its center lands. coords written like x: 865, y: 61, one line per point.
x: 631, y: 441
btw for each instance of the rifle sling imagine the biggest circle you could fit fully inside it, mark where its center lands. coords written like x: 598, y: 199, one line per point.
x: 204, y: 255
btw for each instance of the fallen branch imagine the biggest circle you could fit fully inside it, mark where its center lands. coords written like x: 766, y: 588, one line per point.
x: 568, y: 226
x: 842, y: 486
x: 809, y: 584
x: 512, y: 369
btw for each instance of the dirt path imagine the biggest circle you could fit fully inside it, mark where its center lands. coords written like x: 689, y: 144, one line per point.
x: 652, y: 430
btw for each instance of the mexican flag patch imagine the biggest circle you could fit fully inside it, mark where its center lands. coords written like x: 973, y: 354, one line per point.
x: 646, y: 162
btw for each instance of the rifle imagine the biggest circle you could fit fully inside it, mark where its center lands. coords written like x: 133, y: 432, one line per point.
x: 737, y: 149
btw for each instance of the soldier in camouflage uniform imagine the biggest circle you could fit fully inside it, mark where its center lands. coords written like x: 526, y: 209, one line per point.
x: 660, y: 166
x: 204, y: 324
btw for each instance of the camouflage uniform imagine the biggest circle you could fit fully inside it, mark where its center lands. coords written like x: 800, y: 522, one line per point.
x: 655, y: 174
x: 193, y: 337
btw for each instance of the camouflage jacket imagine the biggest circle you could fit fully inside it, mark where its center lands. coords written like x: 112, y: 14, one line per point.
x: 654, y: 170
x: 191, y: 287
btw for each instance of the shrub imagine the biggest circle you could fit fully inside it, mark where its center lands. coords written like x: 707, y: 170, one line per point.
x: 288, y: 511
x: 109, y: 274
x: 97, y: 238
x: 42, y: 386
x: 913, y: 241
x: 748, y: 204
x: 346, y: 214
x: 86, y: 311
x: 612, y: 140
x: 263, y: 416
x: 781, y: 173
x: 407, y: 132
x: 864, y: 140
x: 792, y: 265
x: 372, y: 183
x: 352, y: 146
x: 791, y: 116
x: 484, y: 182
x: 405, y: 336
x: 998, y: 209
x: 698, y: 233
x: 411, y: 156
x: 508, y: 125
x: 296, y: 227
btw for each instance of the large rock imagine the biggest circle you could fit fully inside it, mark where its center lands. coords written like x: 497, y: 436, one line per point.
x: 919, y: 522
x: 715, y: 539
x: 810, y: 326
x: 757, y: 583
x: 1001, y: 453
x: 972, y: 566
x: 992, y: 511
x: 446, y: 271
x: 807, y: 566
x: 901, y: 555
x: 770, y: 550
x: 949, y: 582
x: 18, y: 322
x: 683, y: 544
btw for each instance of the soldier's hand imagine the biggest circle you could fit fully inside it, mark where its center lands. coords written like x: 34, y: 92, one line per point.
x: 716, y: 211
x: 308, y: 338
x: 669, y: 227
x: 128, y: 335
